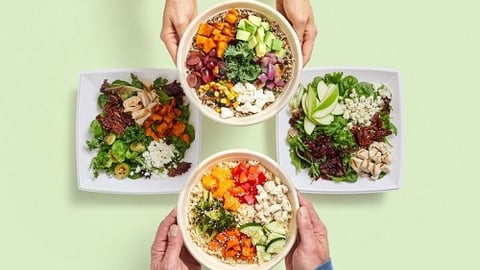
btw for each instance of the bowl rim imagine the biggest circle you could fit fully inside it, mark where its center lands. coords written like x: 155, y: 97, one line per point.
x: 205, y: 166
x: 281, y: 100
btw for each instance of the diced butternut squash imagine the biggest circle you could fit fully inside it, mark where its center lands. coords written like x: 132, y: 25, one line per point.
x: 221, y: 47
x: 209, y: 45
x: 205, y: 29
x: 200, y: 40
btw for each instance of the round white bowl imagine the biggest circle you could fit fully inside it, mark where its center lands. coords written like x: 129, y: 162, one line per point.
x: 182, y: 208
x: 290, y: 87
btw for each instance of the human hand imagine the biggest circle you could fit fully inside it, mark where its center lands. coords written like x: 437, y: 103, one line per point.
x: 300, y: 15
x: 177, y: 14
x: 311, y: 248
x: 168, y: 251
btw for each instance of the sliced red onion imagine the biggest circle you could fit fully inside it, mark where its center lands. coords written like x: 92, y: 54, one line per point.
x: 265, y: 61
x: 262, y: 77
x: 270, y: 85
x: 271, y: 72
x: 279, y: 82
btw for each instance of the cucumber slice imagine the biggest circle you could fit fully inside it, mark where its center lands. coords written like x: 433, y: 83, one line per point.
x: 249, y: 227
x: 276, y: 227
x: 255, y: 232
x: 262, y: 254
x: 276, y: 245
x: 272, y: 236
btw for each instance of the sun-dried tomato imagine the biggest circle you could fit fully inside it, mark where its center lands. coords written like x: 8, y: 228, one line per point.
x: 374, y: 132
x: 114, y: 119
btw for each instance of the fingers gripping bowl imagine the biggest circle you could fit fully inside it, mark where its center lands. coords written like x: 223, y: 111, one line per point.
x: 237, y: 211
x: 239, y: 62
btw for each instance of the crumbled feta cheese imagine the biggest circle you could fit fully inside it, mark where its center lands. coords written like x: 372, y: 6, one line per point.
x: 158, y: 154
x: 252, y: 99
x: 225, y: 113
x: 360, y: 110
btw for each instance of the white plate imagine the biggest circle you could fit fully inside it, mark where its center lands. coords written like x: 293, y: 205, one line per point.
x: 391, y: 181
x: 87, y: 109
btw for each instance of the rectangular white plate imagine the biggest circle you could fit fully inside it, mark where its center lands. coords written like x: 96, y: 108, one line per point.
x: 391, y: 181
x: 89, y: 87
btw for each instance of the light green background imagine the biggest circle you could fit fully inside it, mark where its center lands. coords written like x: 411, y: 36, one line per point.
x: 432, y: 222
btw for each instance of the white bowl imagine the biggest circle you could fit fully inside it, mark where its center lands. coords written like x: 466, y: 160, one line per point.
x: 200, y: 255
x: 289, y: 89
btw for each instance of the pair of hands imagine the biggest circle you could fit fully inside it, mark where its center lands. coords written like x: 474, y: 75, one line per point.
x: 177, y: 14
x: 310, y: 249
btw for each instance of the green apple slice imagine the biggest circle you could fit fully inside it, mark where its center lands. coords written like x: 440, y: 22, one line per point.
x: 308, y: 125
x: 323, y: 112
x: 330, y: 98
x: 311, y: 101
x: 327, y: 120
x: 338, y: 110
x: 322, y: 90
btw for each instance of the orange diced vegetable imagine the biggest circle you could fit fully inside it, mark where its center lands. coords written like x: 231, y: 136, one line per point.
x: 231, y: 16
x: 209, y: 45
x: 185, y: 137
x: 205, y: 29
x: 219, y: 25
x: 209, y: 182
x: 229, y: 32
x: 216, y: 32
x: 200, y: 40
x: 230, y: 202
x: 221, y: 47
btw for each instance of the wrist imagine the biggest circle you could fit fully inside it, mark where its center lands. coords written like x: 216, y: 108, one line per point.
x: 326, y: 265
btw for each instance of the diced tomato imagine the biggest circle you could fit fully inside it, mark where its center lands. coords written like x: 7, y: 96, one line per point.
x: 249, y: 198
x: 237, y: 191
x: 261, y: 178
x: 236, y: 171
x: 246, y: 186
x: 253, y: 190
x: 253, y: 170
x: 242, y: 178
x: 246, y: 178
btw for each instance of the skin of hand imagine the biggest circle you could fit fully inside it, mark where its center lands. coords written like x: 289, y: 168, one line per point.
x: 168, y: 251
x: 300, y: 15
x: 311, y: 248
x: 177, y: 14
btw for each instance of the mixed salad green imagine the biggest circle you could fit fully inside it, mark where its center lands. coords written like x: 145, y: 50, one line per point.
x: 126, y: 133
x: 332, y: 118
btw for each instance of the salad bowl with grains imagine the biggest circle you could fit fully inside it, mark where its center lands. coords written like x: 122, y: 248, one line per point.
x: 342, y: 132
x: 237, y: 211
x: 136, y: 132
x: 239, y: 62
